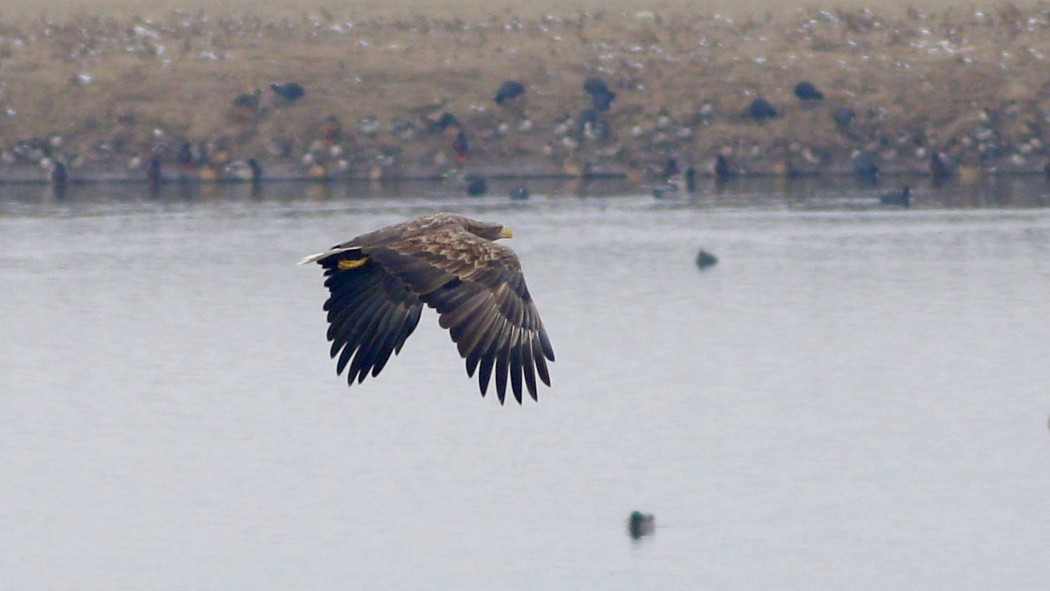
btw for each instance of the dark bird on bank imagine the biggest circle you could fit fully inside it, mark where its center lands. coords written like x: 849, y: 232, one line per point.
x: 603, y: 101
x: 593, y: 86
x: 670, y: 168
x: 722, y: 168
x: 640, y: 524
x: 900, y: 198
x: 760, y: 110
x: 601, y: 96
x: 445, y: 121
x: 185, y: 156
x: 246, y: 106
x: 460, y: 146
x: 476, y: 186
x: 705, y: 259
x: 59, y: 174
x: 806, y: 91
x: 153, y: 172
x: 689, y: 176
x: 289, y: 91
x: 864, y: 166
x: 591, y: 125
x: 380, y: 281
x: 940, y: 167
x: 843, y: 117
x: 508, y: 91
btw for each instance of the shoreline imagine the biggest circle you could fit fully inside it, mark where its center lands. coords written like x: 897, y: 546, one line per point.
x: 949, y: 94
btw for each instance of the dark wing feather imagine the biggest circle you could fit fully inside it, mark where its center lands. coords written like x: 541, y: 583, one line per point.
x: 479, y: 291
x: 370, y: 314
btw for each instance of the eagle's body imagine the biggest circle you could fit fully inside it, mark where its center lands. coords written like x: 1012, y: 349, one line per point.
x: 380, y: 281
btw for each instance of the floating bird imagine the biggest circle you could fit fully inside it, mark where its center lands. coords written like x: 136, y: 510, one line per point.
x: 900, y: 198
x: 508, y: 91
x: 519, y: 193
x: 760, y: 110
x: 289, y: 91
x: 476, y: 186
x: 705, y: 259
x: 640, y: 524
x: 806, y: 91
x: 380, y: 281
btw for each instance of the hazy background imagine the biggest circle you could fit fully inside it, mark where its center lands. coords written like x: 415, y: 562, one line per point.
x: 275, y: 9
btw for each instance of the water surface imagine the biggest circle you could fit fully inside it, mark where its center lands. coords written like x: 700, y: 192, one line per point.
x: 854, y: 397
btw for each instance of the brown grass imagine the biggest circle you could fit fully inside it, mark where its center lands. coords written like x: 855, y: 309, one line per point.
x: 919, y: 82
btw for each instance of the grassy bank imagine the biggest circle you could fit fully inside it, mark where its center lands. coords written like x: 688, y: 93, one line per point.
x: 107, y: 93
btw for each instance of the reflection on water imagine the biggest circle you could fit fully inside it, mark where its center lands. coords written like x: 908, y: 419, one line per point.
x: 853, y: 396
x: 818, y: 192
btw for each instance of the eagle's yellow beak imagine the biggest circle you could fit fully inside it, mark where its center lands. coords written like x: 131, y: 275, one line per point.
x: 506, y: 233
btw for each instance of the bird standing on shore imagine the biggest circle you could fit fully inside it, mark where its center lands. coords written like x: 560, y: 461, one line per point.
x: 508, y: 91
x: 246, y: 106
x: 806, y: 91
x: 289, y: 91
x: 760, y: 109
x: 601, y: 96
x: 380, y: 281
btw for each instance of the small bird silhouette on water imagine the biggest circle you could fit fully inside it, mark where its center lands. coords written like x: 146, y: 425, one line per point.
x: 806, y: 91
x: 476, y: 186
x: 705, y: 259
x: 640, y: 524
x: 900, y: 198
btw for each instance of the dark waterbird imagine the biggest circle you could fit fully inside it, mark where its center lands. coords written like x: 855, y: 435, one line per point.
x: 705, y: 259
x: 864, y: 166
x: 843, y: 117
x: 380, y: 281
x: 508, y: 91
x: 640, y: 524
x: 289, y: 91
x: 760, y: 109
x: 476, y: 186
x: 901, y: 198
x: 806, y: 91
x: 601, y: 96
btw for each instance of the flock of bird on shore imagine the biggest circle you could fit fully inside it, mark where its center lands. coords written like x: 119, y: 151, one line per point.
x: 201, y: 163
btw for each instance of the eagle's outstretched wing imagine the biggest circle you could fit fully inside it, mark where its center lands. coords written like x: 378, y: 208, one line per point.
x: 477, y: 287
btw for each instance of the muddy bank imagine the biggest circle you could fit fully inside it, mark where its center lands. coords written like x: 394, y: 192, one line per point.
x: 952, y: 93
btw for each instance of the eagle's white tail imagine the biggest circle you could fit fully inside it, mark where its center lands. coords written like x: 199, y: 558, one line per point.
x: 323, y: 255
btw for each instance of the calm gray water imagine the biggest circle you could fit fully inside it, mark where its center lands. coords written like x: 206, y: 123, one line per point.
x: 853, y: 398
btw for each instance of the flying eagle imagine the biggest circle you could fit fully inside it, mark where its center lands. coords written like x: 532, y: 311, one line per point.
x: 379, y: 282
